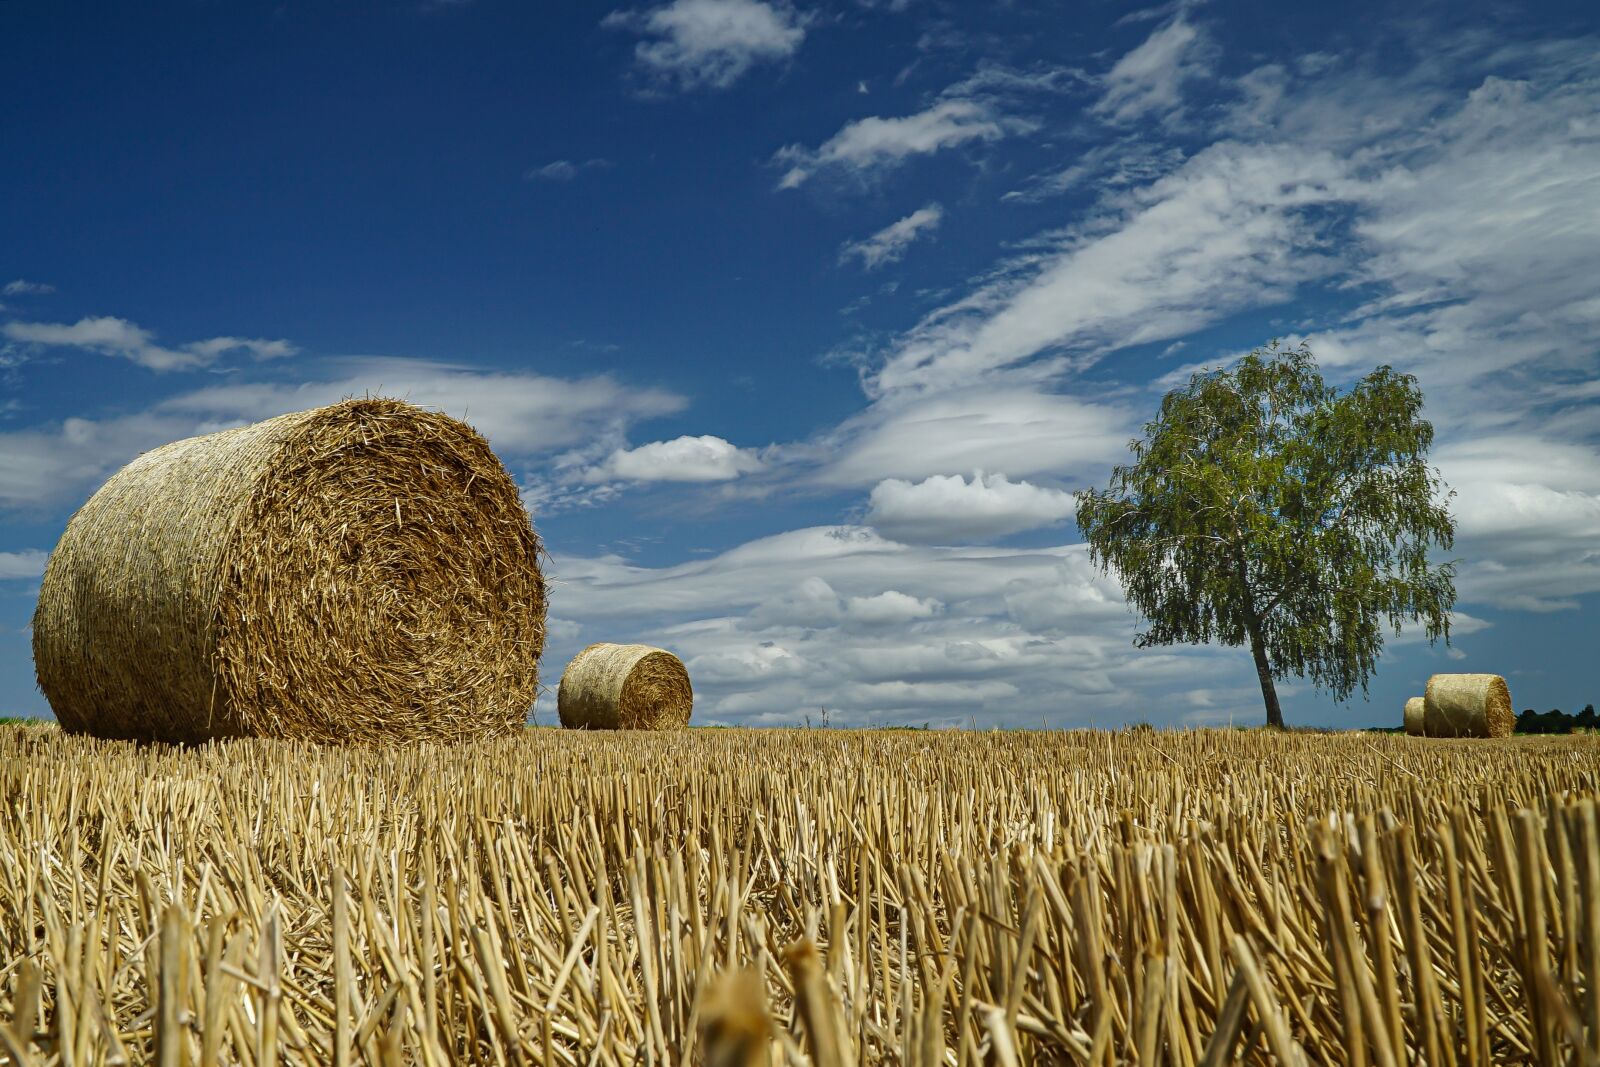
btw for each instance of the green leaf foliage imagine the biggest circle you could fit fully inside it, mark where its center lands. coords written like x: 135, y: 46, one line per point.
x: 1264, y: 506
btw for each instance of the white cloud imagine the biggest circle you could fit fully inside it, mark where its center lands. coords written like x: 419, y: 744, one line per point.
x: 873, y: 630
x: 257, y: 348
x: 29, y: 563
x: 564, y: 170
x: 1114, y: 165
x: 1228, y: 230
x: 1018, y: 430
x: 710, y: 43
x: 814, y: 604
x: 1152, y: 76
x: 873, y: 145
x: 889, y: 244
x: 522, y: 415
x: 110, y: 336
x: 890, y: 607
x: 1511, y: 484
x: 1527, y: 514
x: 683, y: 459
x: 949, y: 508
x: 49, y: 466
x: 23, y: 287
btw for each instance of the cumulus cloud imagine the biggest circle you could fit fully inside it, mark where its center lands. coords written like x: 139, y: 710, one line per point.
x: 110, y: 336
x: 889, y: 244
x: 710, y: 44
x: 889, y: 608
x: 23, y: 287
x: 949, y: 508
x: 683, y: 459
x: 873, y: 145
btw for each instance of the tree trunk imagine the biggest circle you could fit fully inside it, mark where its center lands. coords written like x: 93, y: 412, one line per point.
x: 1269, y: 691
x: 1258, y: 646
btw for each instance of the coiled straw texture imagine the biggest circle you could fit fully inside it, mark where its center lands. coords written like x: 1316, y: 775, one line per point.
x: 1468, y: 705
x: 625, y: 687
x: 364, y: 571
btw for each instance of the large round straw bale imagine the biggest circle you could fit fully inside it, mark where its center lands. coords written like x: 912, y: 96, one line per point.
x: 1467, y: 705
x: 360, y: 571
x: 1414, y: 715
x: 625, y: 687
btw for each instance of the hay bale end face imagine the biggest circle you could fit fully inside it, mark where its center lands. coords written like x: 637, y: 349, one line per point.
x: 364, y: 571
x: 625, y: 687
x: 1467, y: 705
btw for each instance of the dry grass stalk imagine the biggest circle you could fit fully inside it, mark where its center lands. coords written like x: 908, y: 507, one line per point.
x: 1468, y: 705
x: 576, y: 899
x: 625, y: 687
x: 365, y: 570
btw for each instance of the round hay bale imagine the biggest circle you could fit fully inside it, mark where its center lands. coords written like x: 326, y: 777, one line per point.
x: 1414, y: 716
x: 625, y: 687
x: 364, y: 571
x: 1467, y: 705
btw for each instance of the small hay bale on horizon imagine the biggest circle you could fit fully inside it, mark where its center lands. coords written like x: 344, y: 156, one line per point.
x: 362, y: 571
x: 625, y: 687
x: 1468, y: 705
x: 1414, y: 715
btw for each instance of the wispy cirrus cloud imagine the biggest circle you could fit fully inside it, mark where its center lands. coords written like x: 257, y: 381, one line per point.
x: 871, y: 146
x: 1231, y: 229
x: 110, y: 336
x: 23, y: 287
x: 1150, y: 79
x: 564, y: 170
x: 889, y: 244
x: 710, y: 44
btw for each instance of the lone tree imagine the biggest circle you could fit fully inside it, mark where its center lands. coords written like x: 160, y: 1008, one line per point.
x: 1264, y: 506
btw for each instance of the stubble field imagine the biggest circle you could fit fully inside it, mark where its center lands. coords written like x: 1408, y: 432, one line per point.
x: 827, y: 897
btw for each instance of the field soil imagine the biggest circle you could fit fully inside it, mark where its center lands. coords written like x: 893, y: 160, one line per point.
x: 793, y: 897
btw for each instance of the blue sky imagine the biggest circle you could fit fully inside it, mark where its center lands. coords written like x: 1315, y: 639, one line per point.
x: 798, y: 323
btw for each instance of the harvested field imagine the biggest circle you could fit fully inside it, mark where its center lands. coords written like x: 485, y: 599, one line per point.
x: 871, y: 897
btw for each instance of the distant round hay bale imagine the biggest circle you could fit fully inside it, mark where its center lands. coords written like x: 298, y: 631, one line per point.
x: 625, y: 687
x: 364, y: 571
x: 1467, y: 705
x: 1414, y: 715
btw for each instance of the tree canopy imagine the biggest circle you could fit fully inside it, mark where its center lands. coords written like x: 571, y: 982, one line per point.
x: 1264, y: 506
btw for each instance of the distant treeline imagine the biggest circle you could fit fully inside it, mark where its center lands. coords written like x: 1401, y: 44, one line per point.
x: 1557, y: 721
